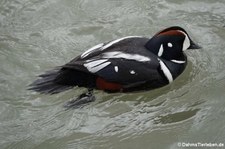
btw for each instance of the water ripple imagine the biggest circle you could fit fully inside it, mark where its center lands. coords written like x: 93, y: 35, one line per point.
x: 38, y: 35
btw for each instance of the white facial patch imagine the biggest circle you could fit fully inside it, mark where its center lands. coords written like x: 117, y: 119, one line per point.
x: 166, y: 71
x: 118, y: 54
x: 187, y: 42
x: 160, y: 50
x: 89, y: 51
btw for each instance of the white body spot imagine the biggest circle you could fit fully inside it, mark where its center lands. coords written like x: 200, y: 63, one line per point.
x: 118, y: 54
x: 166, y: 71
x: 160, y: 50
x: 132, y: 72
x: 169, y: 44
x: 116, y: 68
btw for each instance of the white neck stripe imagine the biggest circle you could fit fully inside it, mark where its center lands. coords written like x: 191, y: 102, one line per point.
x: 166, y: 71
x: 178, y: 61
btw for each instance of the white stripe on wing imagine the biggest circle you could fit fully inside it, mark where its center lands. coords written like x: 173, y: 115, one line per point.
x: 128, y: 56
x: 96, y: 65
x: 89, y: 51
x: 118, y: 40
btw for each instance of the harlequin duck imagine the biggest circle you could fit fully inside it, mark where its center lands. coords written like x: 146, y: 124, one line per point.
x: 127, y: 64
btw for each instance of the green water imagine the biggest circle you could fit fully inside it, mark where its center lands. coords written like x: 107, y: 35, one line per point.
x: 36, y: 35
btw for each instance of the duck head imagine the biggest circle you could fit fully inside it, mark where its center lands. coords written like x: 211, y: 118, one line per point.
x: 170, y: 44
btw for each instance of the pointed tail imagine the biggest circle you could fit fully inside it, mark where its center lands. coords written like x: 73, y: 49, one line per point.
x: 46, y: 84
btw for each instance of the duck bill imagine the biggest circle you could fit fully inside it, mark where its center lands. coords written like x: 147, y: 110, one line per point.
x: 194, y: 46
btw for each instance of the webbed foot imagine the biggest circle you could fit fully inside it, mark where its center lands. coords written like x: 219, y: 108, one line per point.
x: 82, y: 100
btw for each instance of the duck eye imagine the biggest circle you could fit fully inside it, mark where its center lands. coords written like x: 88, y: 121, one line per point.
x: 169, y: 44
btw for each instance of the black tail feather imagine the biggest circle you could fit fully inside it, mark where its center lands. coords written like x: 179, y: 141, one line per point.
x: 46, y: 84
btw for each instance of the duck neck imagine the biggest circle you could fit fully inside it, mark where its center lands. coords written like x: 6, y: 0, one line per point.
x: 153, y: 46
x: 176, y: 67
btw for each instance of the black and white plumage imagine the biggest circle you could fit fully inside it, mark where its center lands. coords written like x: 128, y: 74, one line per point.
x: 127, y: 64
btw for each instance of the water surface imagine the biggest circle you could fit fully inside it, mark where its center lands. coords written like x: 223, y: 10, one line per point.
x: 37, y: 35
